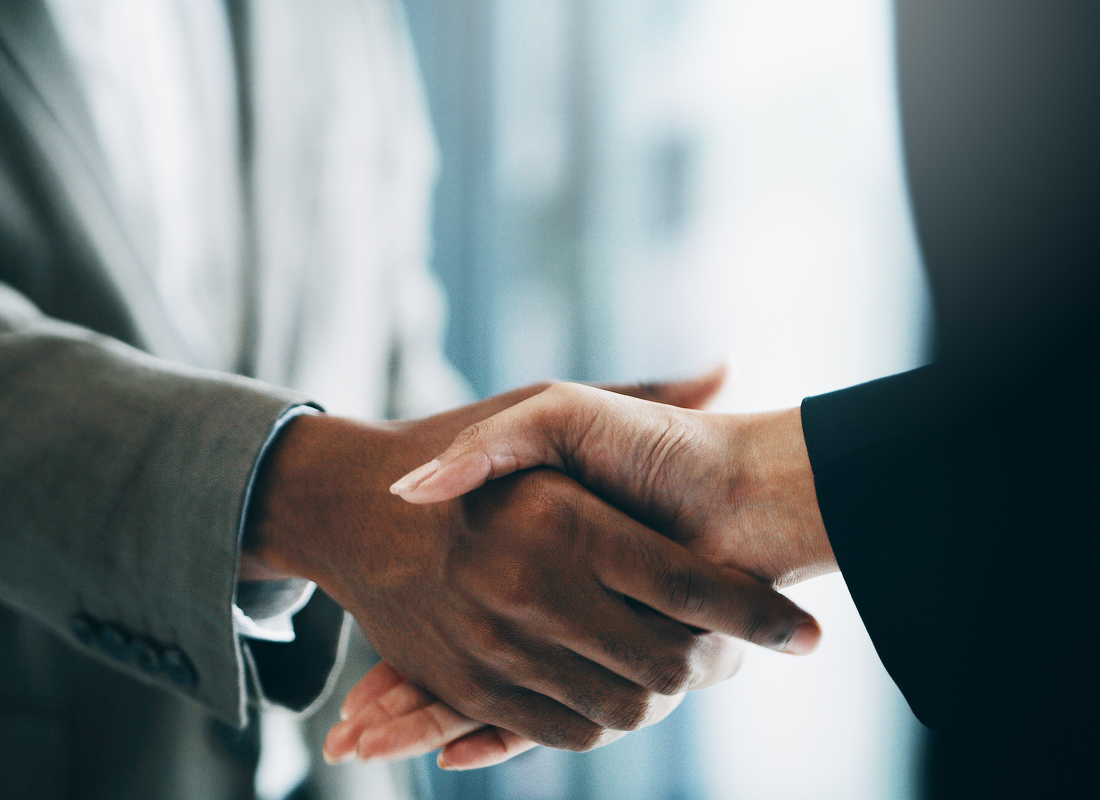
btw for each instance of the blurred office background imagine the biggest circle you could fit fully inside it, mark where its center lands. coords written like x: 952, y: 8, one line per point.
x: 637, y: 189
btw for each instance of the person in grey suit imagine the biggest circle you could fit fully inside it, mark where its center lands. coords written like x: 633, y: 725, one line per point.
x: 211, y: 216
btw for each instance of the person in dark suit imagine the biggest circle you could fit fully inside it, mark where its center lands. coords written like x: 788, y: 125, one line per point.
x: 957, y: 499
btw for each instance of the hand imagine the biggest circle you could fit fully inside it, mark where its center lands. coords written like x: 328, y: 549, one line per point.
x: 388, y: 716
x: 530, y: 605
x: 402, y: 721
x: 737, y: 489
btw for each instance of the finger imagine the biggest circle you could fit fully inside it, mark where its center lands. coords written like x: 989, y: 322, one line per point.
x: 517, y: 438
x: 379, y: 680
x: 402, y: 699
x: 632, y: 652
x: 594, y: 691
x: 674, y: 581
x: 542, y: 431
x: 484, y: 747
x: 611, y: 646
x: 414, y: 734
x: 692, y: 393
x: 406, y: 722
x: 535, y: 717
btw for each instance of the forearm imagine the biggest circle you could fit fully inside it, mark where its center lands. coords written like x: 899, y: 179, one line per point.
x: 301, y: 486
x: 124, y: 479
x: 773, y: 491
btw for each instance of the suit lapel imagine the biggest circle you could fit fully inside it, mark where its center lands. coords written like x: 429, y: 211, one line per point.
x: 36, y: 76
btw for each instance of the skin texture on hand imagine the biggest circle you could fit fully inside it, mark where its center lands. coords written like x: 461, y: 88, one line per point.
x: 529, y: 604
x: 388, y: 716
x: 737, y: 489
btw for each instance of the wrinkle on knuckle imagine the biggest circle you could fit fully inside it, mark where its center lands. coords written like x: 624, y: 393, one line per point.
x: 669, y: 676
x: 471, y: 434
x: 684, y: 589
x: 621, y: 650
x: 756, y: 626
x: 668, y: 440
x: 618, y: 707
x: 436, y: 729
x: 585, y: 737
x: 633, y: 713
x: 568, y: 732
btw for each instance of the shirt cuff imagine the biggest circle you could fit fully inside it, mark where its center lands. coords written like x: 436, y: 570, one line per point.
x: 263, y: 609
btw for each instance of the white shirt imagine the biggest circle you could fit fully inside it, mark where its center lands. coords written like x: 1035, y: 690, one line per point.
x: 161, y: 88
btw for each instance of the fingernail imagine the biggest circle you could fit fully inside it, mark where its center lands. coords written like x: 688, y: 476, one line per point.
x: 344, y: 713
x: 804, y: 640
x: 442, y: 762
x: 332, y: 760
x: 416, y: 477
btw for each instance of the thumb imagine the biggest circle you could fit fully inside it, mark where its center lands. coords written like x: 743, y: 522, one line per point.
x: 536, y: 432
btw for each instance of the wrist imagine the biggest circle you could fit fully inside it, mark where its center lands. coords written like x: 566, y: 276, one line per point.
x: 301, y: 488
x: 781, y: 474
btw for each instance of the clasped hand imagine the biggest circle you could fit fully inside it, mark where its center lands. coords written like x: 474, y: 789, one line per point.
x: 528, y: 610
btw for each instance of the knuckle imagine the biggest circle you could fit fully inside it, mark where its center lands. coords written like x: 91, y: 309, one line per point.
x: 518, y: 585
x: 483, y: 638
x: 585, y: 736
x: 575, y: 733
x: 562, y: 390
x: 552, y: 511
x: 471, y: 434
x: 634, y: 712
x: 475, y: 697
x: 758, y: 627
x: 727, y: 653
x: 685, y: 592
x: 497, y: 650
x: 670, y: 675
x: 564, y: 403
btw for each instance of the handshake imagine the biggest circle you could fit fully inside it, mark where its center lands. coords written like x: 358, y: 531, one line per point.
x: 570, y: 565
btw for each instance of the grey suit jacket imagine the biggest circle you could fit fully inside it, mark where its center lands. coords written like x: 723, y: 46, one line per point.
x: 122, y: 484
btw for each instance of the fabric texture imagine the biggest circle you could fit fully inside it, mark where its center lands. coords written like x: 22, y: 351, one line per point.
x: 128, y: 444
x: 959, y: 498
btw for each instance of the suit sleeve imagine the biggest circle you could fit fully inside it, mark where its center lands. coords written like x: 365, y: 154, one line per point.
x: 122, y: 483
x: 960, y: 514
x: 959, y: 498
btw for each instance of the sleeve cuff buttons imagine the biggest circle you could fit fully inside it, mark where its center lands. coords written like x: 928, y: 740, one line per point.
x: 149, y: 656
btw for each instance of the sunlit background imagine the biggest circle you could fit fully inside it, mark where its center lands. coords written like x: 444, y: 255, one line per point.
x: 637, y: 189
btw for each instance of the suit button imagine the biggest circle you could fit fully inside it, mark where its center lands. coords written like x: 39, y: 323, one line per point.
x: 85, y: 630
x: 146, y: 655
x: 115, y: 642
x: 178, y: 668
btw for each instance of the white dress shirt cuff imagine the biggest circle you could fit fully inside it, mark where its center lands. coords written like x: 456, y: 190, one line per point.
x: 262, y: 609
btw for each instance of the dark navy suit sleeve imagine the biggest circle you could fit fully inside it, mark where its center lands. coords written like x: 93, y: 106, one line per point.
x: 960, y: 499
